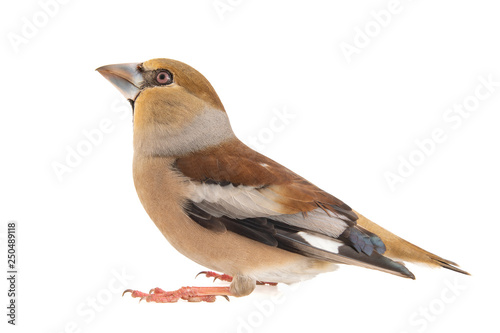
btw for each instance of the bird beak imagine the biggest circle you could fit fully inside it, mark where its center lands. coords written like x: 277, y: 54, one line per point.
x: 125, y: 77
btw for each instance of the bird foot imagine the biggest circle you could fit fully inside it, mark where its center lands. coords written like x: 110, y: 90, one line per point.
x: 228, y: 278
x: 190, y: 294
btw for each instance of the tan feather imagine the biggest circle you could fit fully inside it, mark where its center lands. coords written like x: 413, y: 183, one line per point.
x: 398, y: 248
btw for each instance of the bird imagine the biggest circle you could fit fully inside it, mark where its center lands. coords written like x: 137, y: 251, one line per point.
x: 227, y: 207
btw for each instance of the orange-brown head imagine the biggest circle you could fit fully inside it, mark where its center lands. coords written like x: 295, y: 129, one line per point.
x: 176, y: 109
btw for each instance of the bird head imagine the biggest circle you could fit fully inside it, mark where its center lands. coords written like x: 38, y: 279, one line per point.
x: 176, y: 110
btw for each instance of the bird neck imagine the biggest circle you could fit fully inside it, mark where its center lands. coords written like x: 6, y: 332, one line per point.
x: 210, y: 128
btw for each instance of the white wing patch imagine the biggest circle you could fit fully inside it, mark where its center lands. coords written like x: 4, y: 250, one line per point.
x: 240, y: 202
x: 317, y: 220
x: 322, y: 243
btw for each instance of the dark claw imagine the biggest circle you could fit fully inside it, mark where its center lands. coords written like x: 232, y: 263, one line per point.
x: 151, y: 290
x: 260, y: 283
x: 226, y: 297
x: 127, y: 291
x: 203, y: 272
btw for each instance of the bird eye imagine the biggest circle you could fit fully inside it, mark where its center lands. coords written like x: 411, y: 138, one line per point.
x: 164, y: 78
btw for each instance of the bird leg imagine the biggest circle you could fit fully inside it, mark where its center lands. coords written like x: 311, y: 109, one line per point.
x: 190, y: 294
x: 228, y: 278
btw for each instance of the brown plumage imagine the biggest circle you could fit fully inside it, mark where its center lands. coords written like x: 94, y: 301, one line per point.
x: 233, y: 162
x: 230, y: 208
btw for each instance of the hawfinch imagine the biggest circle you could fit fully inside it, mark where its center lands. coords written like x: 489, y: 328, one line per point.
x: 231, y: 209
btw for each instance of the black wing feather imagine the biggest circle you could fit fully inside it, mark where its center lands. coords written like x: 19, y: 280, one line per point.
x: 287, y: 237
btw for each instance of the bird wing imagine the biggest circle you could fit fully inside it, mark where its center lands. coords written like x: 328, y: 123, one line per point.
x: 232, y: 187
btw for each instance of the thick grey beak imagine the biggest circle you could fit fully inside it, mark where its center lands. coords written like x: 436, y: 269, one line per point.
x: 125, y: 77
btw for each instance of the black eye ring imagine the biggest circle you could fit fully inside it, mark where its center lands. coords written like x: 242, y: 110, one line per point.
x: 164, y: 77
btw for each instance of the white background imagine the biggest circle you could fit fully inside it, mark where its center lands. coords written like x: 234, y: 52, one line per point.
x: 352, y: 122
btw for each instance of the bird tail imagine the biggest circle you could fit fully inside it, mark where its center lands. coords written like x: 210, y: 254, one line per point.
x: 398, y: 248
